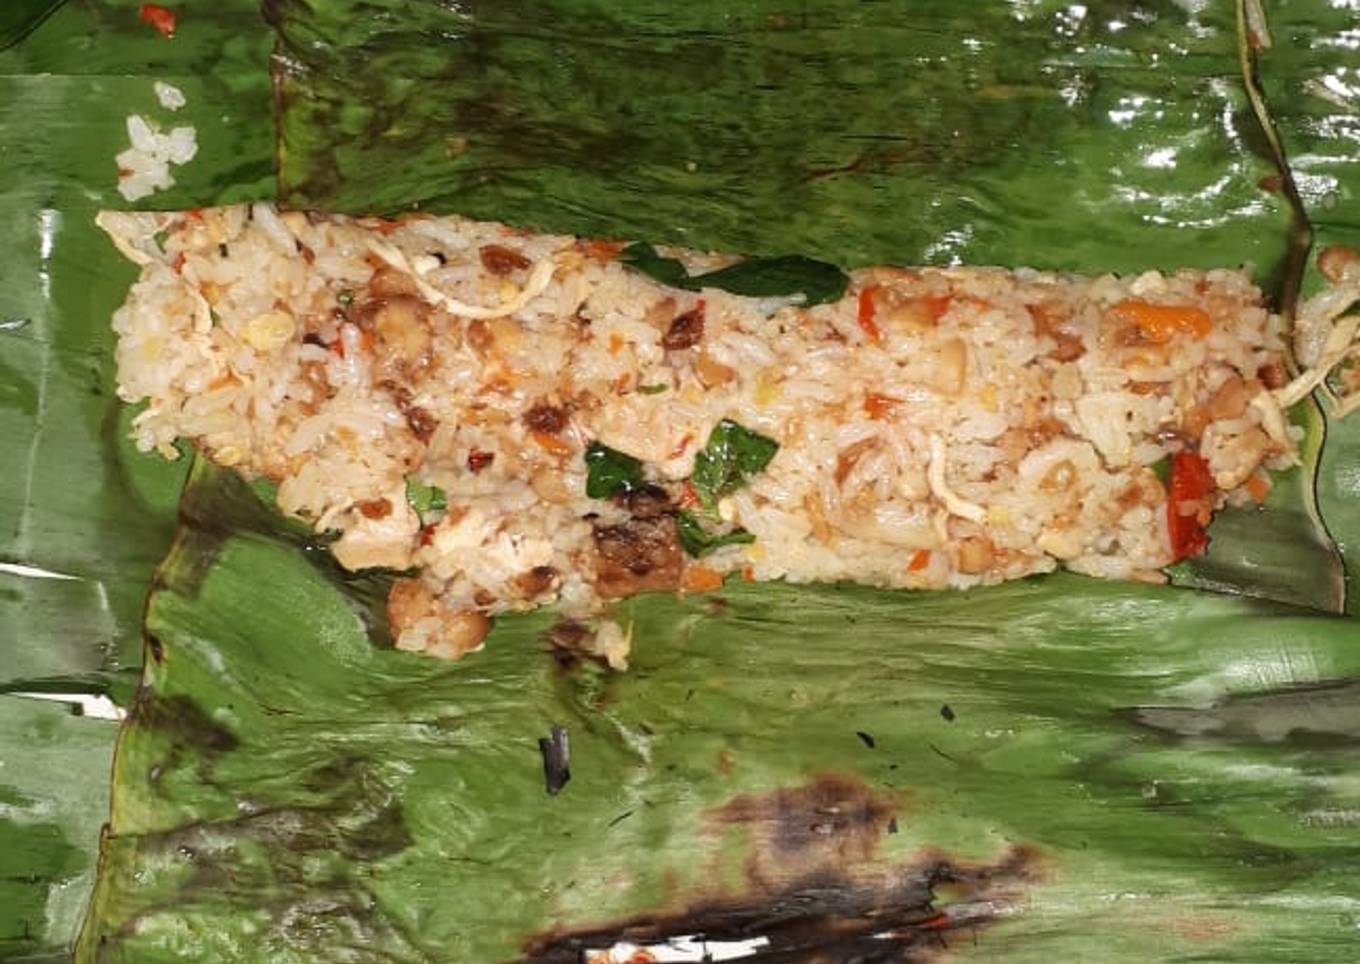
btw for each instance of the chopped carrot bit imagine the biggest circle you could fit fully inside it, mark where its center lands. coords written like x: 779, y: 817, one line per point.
x: 161, y: 18
x: 1258, y: 486
x: 615, y: 343
x: 178, y: 263
x: 865, y: 316
x: 387, y: 225
x: 601, y: 250
x: 551, y: 443
x: 1159, y: 323
x: 878, y: 406
x: 937, y: 306
x: 919, y: 560
x: 689, y: 498
x: 701, y: 579
x: 748, y: 573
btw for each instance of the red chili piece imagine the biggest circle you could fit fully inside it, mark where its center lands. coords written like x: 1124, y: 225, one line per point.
x: 1191, y: 484
x: 162, y: 18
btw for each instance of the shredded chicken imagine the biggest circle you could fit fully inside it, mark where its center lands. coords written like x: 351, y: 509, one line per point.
x: 539, y: 279
x: 935, y: 474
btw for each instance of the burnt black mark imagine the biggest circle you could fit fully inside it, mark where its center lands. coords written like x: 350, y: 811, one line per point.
x: 189, y: 730
x: 815, y: 829
x: 815, y: 892
x: 946, y: 713
x: 865, y: 738
x: 556, y: 752
x: 184, y: 722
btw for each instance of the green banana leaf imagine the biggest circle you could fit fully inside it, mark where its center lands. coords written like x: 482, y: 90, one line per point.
x: 1161, y: 773
x: 1131, y: 772
x: 75, y: 499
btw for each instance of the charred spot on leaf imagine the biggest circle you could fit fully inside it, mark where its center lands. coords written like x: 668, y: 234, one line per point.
x: 155, y: 647
x: 184, y: 722
x: 187, y: 728
x: 381, y: 835
x: 947, y: 713
x: 352, y: 818
x: 823, y: 827
x: 865, y: 738
x: 840, y: 905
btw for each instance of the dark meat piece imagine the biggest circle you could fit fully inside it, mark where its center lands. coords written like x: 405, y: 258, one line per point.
x: 374, y: 508
x: 536, y: 581
x: 478, y: 460
x: 686, y: 330
x: 640, y: 555
x: 645, y: 502
x: 500, y: 260
x: 421, y: 422
x: 1273, y: 374
x: 546, y: 418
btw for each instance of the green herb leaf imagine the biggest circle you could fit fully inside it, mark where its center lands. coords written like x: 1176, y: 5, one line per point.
x: 816, y: 281
x: 609, y: 471
x: 345, y: 296
x: 425, y: 499
x: 732, y: 455
x: 1162, y: 469
x: 699, y: 542
x: 160, y: 237
x: 642, y: 257
x: 652, y: 389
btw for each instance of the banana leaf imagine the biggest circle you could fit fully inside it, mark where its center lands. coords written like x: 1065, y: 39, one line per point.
x: 76, y: 501
x: 1058, y: 766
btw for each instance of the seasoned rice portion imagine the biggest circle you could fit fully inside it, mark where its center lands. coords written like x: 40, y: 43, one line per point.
x: 442, y: 394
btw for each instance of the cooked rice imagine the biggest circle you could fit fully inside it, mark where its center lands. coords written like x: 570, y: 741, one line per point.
x: 985, y: 425
x: 144, y: 167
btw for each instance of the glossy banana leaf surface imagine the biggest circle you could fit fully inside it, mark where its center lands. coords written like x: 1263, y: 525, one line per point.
x: 84, y: 518
x: 1056, y: 767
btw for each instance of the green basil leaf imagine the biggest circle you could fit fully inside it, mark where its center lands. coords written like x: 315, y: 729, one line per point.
x: 699, y: 542
x: 815, y: 281
x: 609, y: 471
x: 732, y: 455
x: 425, y: 499
x: 652, y: 389
x: 642, y: 257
